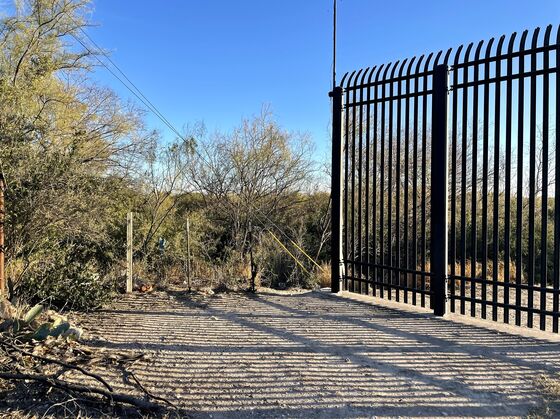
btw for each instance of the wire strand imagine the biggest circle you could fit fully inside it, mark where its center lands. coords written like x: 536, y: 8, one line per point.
x: 150, y: 106
x: 288, y: 237
x: 125, y: 76
x: 138, y: 95
x: 287, y: 251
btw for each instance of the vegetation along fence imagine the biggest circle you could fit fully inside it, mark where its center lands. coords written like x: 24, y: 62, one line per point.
x: 444, y: 180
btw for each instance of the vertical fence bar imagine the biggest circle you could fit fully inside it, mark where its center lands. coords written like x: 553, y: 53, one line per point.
x: 464, y: 151
x: 544, y: 200
x: 360, y: 190
x: 345, y: 223
x: 406, y: 178
x: 556, y: 279
x: 353, y: 193
x: 474, y: 195
x: 439, y: 192
x: 496, y: 191
x: 374, y: 193
x: 519, y: 193
x: 367, y: 203
x: 423, y: 193
x: 415, y: 184
x: 507, y: 192
x: 453, y: 240
x: 398, y: 186
x: 336, y: 189
x: 532, y: 180
x: 382, y: 259
x: 423, y: 183
x: 485, y: 141
x: 390, y: 186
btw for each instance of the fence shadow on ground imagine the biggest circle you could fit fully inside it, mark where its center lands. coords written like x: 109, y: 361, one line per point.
x: 312, y: 355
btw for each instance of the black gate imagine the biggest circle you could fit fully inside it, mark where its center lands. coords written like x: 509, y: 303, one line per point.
x: 444, y: 180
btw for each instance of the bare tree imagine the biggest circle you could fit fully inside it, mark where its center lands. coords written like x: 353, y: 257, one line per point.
x: 252, y: 175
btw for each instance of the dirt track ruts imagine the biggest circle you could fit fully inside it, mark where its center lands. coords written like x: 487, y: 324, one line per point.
x: 315, y: 355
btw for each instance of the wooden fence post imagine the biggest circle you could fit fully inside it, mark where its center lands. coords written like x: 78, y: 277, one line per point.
x: 2, y: 252
x: 129, y: 252
x: 189, y: 254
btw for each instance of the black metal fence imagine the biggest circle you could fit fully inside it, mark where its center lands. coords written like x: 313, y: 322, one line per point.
x: 444, y: 180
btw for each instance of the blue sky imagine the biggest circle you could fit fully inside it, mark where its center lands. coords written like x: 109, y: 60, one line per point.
x: 220, y: 61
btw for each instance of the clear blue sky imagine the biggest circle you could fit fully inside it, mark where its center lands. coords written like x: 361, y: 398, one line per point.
x: 219, y: 61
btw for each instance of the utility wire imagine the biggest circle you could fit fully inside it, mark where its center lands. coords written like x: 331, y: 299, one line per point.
x: 139, y: 95
x: 288, y: 237
x: 155, y: 109
x: 150, y: 106
x: 287, y: 251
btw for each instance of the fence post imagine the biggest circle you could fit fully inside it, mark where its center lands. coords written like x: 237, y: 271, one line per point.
x: 2, y: 247
x: 439, y: 192
x: 336, y: 188
x: 189, y: 253
x: 252, y: 260
x: 129, y: 252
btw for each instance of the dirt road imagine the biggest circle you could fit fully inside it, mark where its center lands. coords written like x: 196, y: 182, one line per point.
x: 315, y: 355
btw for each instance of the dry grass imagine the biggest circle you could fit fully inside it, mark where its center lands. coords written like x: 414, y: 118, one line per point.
x: 489, y: 270
x: 323, y: 275
x: 550, y: 389
x: 550, y: 386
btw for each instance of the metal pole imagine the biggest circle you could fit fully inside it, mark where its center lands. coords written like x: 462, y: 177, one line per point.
x: 439, y: 192
x: 2, y: 250
x: 129, y: 252
x: 334, y: 46
x: 336, y: 189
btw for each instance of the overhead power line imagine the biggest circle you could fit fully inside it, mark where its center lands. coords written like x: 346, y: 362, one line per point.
x: 138, y: 95
x: 149, y: 102
x: 130, y: 86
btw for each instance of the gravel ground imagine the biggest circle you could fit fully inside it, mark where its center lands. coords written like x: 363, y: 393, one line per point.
x: 315, y: 355
x: 545, y: 320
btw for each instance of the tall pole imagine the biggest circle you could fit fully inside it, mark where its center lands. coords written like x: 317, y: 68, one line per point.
x: 334, y: 46
x: 2, y: 219
x: 129, y: 252
x: 337, y: 269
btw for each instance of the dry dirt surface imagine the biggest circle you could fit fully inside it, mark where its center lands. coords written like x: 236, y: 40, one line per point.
x: 314, y: 355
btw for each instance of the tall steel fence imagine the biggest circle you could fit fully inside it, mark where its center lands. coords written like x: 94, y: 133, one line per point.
x: 444, y: 180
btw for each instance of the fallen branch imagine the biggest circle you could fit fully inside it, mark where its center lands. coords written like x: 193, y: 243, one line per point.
x: 149, y: 394
x: 62, y: 364
x: 77, y: 388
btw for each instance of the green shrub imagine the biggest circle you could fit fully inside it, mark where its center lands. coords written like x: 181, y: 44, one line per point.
x: 67, y: 283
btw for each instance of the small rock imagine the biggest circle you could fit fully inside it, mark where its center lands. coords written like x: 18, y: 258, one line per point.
x: 7, y: 311
x: 73, y: 333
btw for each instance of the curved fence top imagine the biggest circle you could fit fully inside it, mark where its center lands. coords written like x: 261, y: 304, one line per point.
x: 485, y: 52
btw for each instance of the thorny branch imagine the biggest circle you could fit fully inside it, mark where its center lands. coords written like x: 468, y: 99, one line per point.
x: 22, y: 364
